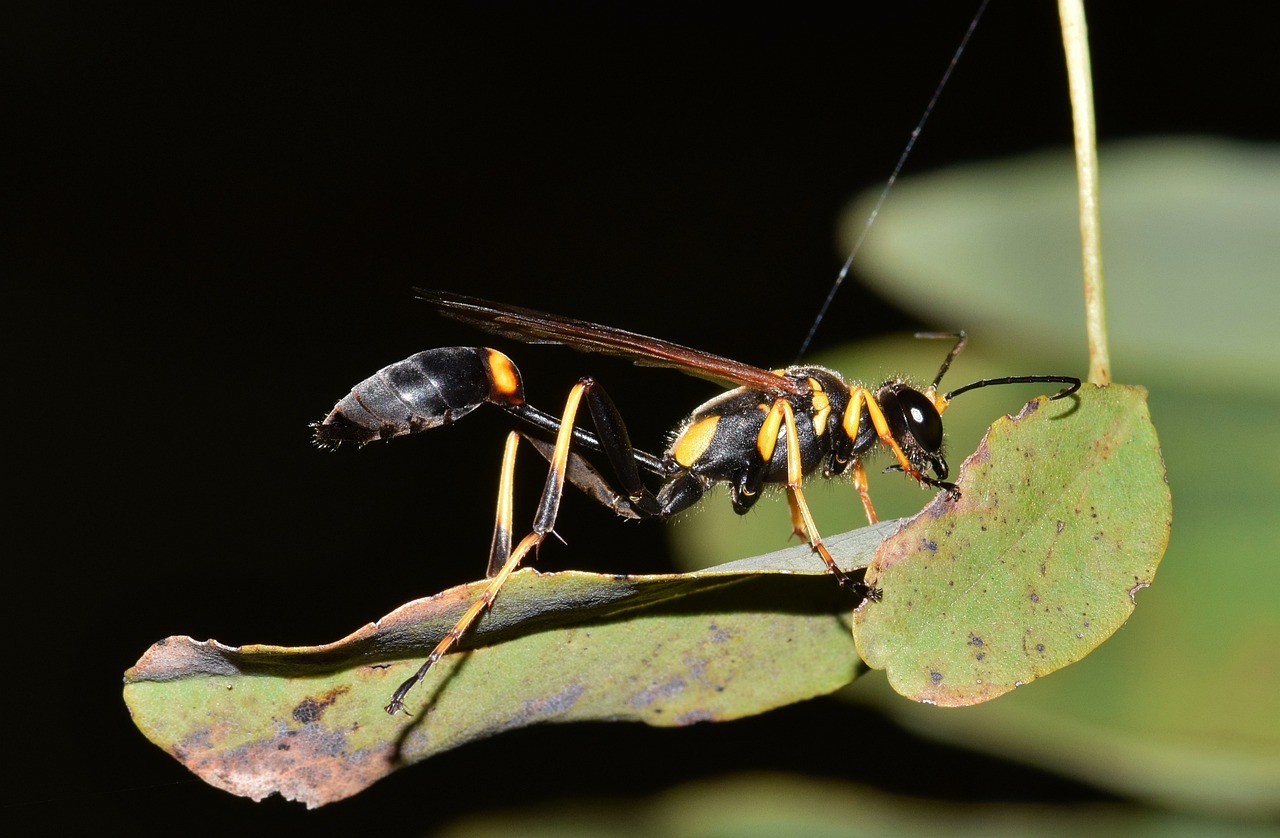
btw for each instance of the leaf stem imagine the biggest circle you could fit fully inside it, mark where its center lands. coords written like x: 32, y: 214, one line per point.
x: 1076, y: 44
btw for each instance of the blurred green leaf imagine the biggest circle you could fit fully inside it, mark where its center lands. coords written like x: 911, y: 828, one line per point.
x: 1189, y: 241
x: 771, y: 805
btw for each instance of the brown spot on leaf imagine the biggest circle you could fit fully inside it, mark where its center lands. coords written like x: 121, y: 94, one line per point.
x: 310, y: 709
x: 310, y: 765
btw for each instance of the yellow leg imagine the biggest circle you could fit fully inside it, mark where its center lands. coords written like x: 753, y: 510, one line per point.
x: 797, y: 517
x: 862, y: 398
x: 860, y: 483
x: 500, y: 547
x: 802, y: 518
x: 544, y: 521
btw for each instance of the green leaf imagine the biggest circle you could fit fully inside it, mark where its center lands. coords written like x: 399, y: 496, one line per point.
x: 1063, y: 517
x: 307, y: 723
x: 767, y: 805
x: 1182, y: 708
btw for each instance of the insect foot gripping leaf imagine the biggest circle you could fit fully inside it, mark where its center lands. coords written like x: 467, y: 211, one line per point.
x: 1064, y: 515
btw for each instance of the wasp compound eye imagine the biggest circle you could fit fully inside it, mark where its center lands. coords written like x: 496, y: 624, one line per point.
x: 913, y: 420
x: 921, y: 419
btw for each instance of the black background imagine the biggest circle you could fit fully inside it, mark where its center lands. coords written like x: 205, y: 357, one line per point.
x: 214, y: 218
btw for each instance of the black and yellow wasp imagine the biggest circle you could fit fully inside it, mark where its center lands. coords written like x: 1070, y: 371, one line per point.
x: 773, y: 427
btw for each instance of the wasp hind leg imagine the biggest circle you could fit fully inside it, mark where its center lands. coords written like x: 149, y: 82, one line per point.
x: 583, y: 475
x: 564, y: 464
x: 499, y: 571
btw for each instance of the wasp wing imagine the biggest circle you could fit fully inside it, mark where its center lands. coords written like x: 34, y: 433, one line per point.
x: 529, y: 326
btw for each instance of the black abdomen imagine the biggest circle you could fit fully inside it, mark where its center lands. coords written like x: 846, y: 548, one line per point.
x: 423, y: 391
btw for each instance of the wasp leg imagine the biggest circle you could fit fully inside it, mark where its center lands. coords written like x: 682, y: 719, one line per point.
x: 543, y: 523
x: 500, y: 546
x: 587, y: 479
x: 632, y: 499
x: 797, y: 518
x: 583, y: 439
x: 781, y: 413
x: 622, y: 456
x: 862, y: 398
x: 860, y: 483
x: 527, y: 544
x: 564, y: 462
x: 502, y: 562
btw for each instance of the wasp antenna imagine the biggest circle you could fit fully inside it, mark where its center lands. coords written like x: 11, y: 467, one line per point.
x: 1073, y: 384
x: 960, y: 338
x: 893, y: 178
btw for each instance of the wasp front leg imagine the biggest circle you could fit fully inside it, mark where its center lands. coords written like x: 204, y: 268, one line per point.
x: 863, y: 401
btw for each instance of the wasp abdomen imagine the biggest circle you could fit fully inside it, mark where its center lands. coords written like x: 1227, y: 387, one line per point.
x: 423, y: 391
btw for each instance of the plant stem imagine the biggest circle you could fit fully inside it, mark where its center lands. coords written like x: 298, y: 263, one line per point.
x: 1076, y: 44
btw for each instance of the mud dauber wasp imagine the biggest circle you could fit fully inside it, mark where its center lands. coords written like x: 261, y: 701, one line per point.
x: 773, y: 427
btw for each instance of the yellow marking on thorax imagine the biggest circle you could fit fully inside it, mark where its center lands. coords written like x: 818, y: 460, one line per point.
x: 767, y: 439
x: 852, y: 420
x: 694, y: 441
x: 821, y: 407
